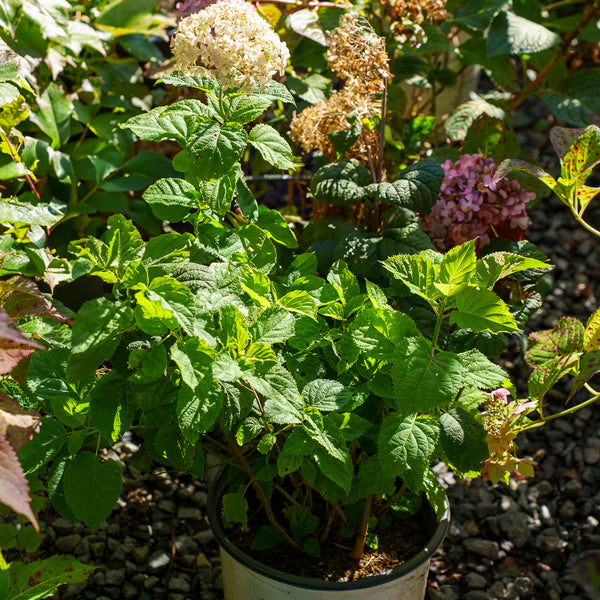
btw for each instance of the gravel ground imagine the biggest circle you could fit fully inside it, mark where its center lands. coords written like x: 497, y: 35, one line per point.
x: 505, y: 541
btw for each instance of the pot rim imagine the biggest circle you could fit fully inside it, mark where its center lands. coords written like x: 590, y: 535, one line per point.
x: 215, y: 491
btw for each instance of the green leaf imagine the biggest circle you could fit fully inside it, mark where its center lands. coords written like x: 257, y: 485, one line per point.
x: 457, y: 268
x: 589, y: 365
x: 248, y: 430
x: 235, y: 509
x: 274, y: 91
x: 274, y: 325
x: 170, y: 302
x: 53, y: 115
x: 42, y: 214
x: 418, y: 272
x: 344, y: 139
x: 492, y: 137
x: 406, y: 444
x: 92, y: 488
x: 342, y: 183
x: 216, y: 148
x: 171, y: 199
x: 482, y: 310
x: 198, y: 409
x: 111, y: 406
x: 463, y: 440
x: 194, y: 358
x: 173, y: 448
x: 302, y: 522
x: 265, y: 539
x: 96, y: 332
x: 42, y: 577
x: 178, y: 79
x: 423, y: 382
x: 272, y: 147
x: 466, y: 114
x: 276, y: 227
x: 514, y: 164
x: 417, y: 187
x: 591, y: 337
x: 245, y: 109
x: 283, y: 401
x: 567, y: 109
x: 326, y: 395
x: 46, y: 444
x: 155, y: 127
x: 148, y: 364
x: 499, y: 265
x: 481, y: 372
x: 301, y: 302
x: 511, y: 34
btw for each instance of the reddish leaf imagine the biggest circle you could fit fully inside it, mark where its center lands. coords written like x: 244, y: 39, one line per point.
x: 16, y: 425
x: 21, y: 297
x: 13, y: 344
x: 14, y: 489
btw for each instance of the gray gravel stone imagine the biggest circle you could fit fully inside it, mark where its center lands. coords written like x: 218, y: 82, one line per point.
x: 115, y: 577
x: 66, y: 544
x: 158, y: 561
x: 475, y: 581
x: 481, y: 547
x: 188, y: 513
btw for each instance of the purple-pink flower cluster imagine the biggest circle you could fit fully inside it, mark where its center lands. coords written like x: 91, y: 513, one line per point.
x: 471, y: 205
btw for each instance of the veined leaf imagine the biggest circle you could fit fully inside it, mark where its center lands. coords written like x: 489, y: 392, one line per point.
x: 568, y: 109
x: 171, y: 199
x: 583, y: 154
x: 273, y: 326
x: 513, y: 164
x: 423, y: 382
x: 466, y: 114
x: 235, y: 509
x: 499, y: 265
x: 272, y: 147
x: 482, y: 310
x: 92, y: 488
x: 283, y: 401
x: 343, y: 182
x: 406, y: 444
x: 591, y: 337
x: 326, y: 395
x: 511, y: 34
x: 198, y: 409
x: 419, y: 272
x: 111, y: 406
x: 463, y: 439
x: 457, y: 268
x: 301, y: 302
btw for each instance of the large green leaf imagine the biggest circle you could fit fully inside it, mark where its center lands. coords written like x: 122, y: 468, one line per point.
x: 466, y: 114
x: 171, y: 199
x: 511, y: 34
x: 343, y: 182
x: 197, y: 409
x: 423, y: 382
x: 43, y: 576
x: 235, y: 509
x: 53, y: 115
x: 416, y: 187
x: 272, y: 147
x: 570, y: 110
x: 457, y: 268
x: 418, y: 272
x: 156, y: 127
x: 216, y: 148
x: 111, y: 406
x: 482, y: 310
x: 406, y: 444
x: 326, y: 395
x: 274, y: 325
x: 462, y: 437
x: 92, y: 488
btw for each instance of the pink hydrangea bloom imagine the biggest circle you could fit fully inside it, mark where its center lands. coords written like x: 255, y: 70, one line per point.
x: 472, y: 206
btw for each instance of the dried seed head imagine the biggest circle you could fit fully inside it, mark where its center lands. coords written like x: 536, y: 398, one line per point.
x: 357, y: 52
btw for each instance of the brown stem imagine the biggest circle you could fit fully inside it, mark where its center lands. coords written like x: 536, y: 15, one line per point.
x: 241, y: 459
x: 16, y: 158
x: 588, y: 15
x: 287, y: 495
x: 328, y: 525
x: 359, y: 546
x: 370, y: 155
x: 382, y: 131
x: 391, y: 500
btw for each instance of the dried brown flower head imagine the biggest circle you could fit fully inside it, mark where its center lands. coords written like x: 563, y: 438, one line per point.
x: 407, y: 16
x: 309, y: 129
x: 356, y: 52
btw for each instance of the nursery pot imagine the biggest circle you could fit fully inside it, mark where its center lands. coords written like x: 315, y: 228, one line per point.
x: 246, y: 578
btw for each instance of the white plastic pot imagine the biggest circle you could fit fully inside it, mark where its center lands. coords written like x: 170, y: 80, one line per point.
x: 244, y: 578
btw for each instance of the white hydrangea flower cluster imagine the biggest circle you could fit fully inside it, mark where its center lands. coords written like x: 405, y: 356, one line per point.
x: 232, y: 42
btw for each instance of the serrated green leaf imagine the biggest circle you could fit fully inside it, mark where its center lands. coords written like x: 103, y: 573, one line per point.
x: 342, y: 183
x: 482, y: 310
x: 567, y: 109
x: 513, y: 164
x: 466, y: 114
x: 171, y: 199
x: 194, y: 357
x: 326, y: 395
x: 197, y: 409
x: 463, y: 440
x: 43, y: 214
x: 511, y: 34
x: 418, y: 272
x: 92, y: 488
x: 111, y: 406
x: 274, y: 91
x: 302, y: 522
x: 301, y: 302
x: 274, y: 325
x: 423, y: 382
x: 272, y: 147
x: 235, y: 509
x: 283, y: 401
x: 53, y: 114
x: 154, y: 127
x: 172, y: 448
x: 457, y: 268
x: 216, y: 148
x: 406, y: 444
x: 499, y: 265
x: 417, y: 187
x: 481, y: 372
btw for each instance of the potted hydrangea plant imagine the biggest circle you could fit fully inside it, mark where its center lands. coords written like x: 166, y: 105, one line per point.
x: 326, y: 395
